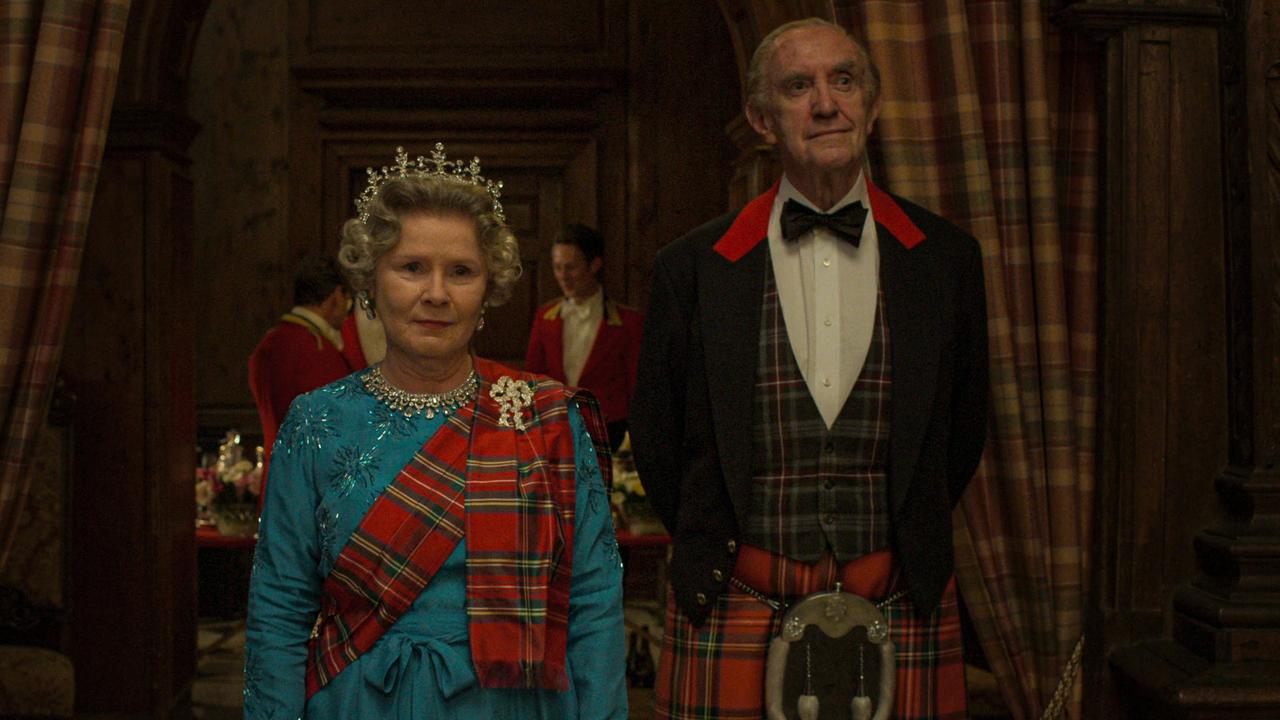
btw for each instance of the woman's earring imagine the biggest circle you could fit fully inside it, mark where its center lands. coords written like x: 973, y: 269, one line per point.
x: 366, y: 303
x: 480, y: 324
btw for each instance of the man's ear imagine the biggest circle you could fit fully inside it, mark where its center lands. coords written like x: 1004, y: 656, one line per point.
x: 595, y: 265
x: 337, y: 297
x: 873, y: 113
x: 761, y: 123
x: 337, y: 301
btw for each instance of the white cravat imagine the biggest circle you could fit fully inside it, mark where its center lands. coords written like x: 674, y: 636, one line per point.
x: 581, y: 322
x: 330, y: 333
x: 827, y: 288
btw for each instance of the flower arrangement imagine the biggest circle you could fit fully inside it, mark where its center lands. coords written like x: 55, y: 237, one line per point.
x: 228, y: 489
x: 239, y: 484
x: 628, y: 498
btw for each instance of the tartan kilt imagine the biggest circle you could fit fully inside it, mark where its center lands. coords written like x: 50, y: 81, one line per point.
x: 717, y: 671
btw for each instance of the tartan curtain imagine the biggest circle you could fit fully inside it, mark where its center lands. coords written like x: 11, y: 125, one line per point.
x: 58, y: 67
x: 990, y: 118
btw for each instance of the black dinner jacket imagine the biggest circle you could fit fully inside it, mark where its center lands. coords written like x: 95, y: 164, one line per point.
x: 692, y: 414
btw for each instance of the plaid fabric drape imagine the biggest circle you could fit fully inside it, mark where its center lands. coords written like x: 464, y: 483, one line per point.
x: 990, y: 119
x: 58, y: 67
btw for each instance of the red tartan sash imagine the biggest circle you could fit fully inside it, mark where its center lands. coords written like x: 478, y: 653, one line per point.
x: 512, y: 493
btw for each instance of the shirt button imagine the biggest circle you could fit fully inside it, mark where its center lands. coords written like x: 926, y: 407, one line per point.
x: 700, y: 598
x: 826, y: 262
x: 732, y: 546
x: 717, y: 575
x: 827, y: 322
x: 826, y: 382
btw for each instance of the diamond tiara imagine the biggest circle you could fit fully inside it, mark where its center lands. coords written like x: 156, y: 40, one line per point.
x: 434, y: 166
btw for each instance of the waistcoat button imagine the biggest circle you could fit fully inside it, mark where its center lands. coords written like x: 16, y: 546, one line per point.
x: 717, y: 575
x: 700, y: 598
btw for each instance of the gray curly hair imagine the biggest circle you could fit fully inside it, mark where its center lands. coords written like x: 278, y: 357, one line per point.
x: 364, y: 242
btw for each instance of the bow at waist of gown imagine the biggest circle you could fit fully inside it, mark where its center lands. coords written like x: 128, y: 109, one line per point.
x: 444, y: 655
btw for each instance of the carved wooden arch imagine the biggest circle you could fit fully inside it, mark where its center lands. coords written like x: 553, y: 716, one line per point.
x: 159, y: 44
x: 750, y: 20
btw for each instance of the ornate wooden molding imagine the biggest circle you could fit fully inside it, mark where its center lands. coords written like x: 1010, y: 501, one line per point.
x: 413, y: 120
x: 156, y: 58
x: 382, y: 87
x: 1113, y: 16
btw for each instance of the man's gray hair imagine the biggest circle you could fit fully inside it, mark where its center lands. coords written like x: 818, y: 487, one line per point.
x: 757, y: 87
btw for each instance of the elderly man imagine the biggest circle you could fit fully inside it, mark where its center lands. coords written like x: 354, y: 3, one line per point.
x: 811, y: 403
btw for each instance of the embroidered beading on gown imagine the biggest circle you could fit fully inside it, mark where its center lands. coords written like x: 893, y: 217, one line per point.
x: 337, y: 450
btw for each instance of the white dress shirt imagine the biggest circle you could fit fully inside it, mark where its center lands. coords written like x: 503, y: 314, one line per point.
x: 581, y: 322
x: 827, y: 289
x: 330, y: 333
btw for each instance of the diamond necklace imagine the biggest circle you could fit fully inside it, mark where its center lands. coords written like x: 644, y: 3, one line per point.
x: 428, y: 404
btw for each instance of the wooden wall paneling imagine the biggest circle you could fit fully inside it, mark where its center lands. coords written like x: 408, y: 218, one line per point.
x: 460, y: 53
x: 1165, y: 286
x: 1164, y: 365
x: 130, y: 357
x: 1262, y: 70
x: 1197, y: 386
x: 238, y: 88
x: 1115, y: 427
x: 460, y: 35
x: 610, y: 212
x: 1230, y: 614
x: 104, y: 362
x: 1148, y: 264
x: 129, y: 360
x: 1180, y: 643
x: 503, y: 156
x: 581, y: 200
x: 172, y: 427
x: 681, y: 160
x: 537, y: 201
x: 157, y: 52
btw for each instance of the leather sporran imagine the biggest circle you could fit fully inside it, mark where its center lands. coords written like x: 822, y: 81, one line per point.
x: 831, y: 660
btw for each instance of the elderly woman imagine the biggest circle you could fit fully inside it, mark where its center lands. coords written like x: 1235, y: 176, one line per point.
x: 436, y: 539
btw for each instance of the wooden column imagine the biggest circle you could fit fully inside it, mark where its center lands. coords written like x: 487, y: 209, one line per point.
x: 1188, y: 634
x: 129, y: 359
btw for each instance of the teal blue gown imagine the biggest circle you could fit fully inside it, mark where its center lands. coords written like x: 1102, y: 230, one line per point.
x: 338, y: 448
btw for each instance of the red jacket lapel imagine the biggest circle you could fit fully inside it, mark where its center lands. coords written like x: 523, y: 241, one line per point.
x: 749, y: 228
x: 554, y: 347
x: 752, y: 224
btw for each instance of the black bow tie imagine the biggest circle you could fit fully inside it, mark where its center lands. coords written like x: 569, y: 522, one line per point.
x: 845, y: 223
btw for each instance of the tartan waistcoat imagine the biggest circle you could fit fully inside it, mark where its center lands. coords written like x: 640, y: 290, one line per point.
x: 815, y: 489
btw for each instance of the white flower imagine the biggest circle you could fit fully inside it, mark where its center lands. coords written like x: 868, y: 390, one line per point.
x: 238, y: 474
x: 204, y: 492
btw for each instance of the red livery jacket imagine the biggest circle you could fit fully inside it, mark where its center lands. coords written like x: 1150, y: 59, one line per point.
x: 610, y: 370
x: 293, y: 358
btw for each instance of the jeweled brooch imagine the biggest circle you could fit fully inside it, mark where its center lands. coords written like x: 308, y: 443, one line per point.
x: 512, y: 397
